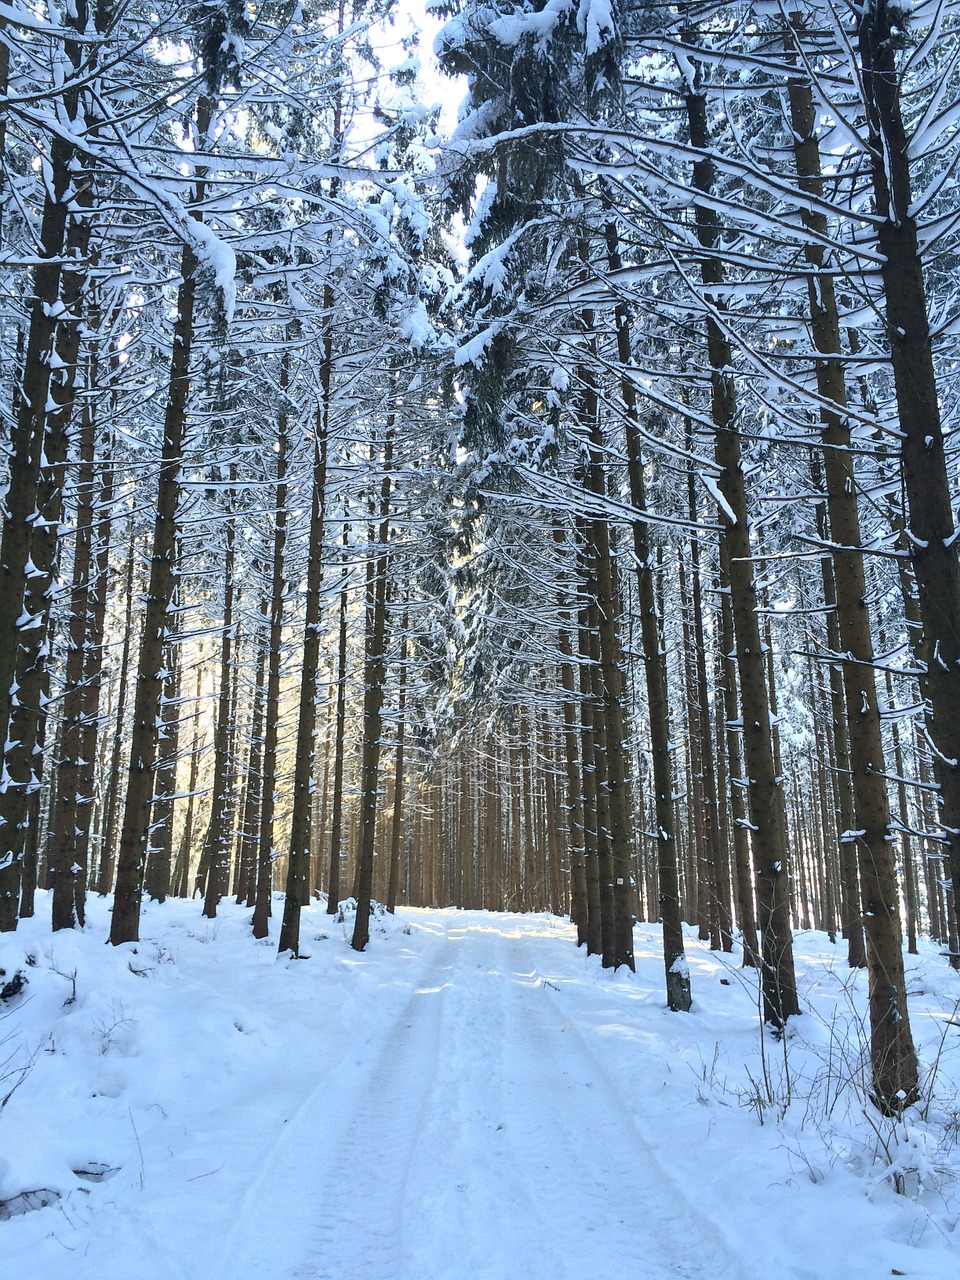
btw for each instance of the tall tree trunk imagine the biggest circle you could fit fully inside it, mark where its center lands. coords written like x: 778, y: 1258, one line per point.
x: 718, y: 878
x: 108, y: 829
x: 30, y: 545
x: 265, y: 842
x: 654, y: 665
x: 770, y: 849
x: 588, y: 781
x: 893, y: 1058
x: 339, y: 745
x: 700, y: 870
x: 729, y: 746
x: 181, y: 877
x: 91, y: 738
x: 550, y: 814
x: 851, y: 907
x: 932, y: 531
x: 304, y: 761
x: 159, y: 854
x: 32, y: 396
x: 74, y: 798
x: 524, y: 782
x: 610, y: 694
x: 213, y: 877
x: 253, y: 795
x: 906, y: 851
x: 134, y: 835
x: 396, y: 828
x: 574, y: 806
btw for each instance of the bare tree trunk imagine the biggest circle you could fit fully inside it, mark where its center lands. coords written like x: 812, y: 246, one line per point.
x: 851, y: 908
x: 91, y: 739
x: 524, y: 784
x: 516, y: 825
x: 125, y: 923
x: 906, y: 850
x: 893, y: 1058
x: 214, y: 873
x: 700, y: 859
x: 299, y: 854
x: 108, y: 831
x: 271, y: 736
x: 24, y: 735
x: 74, y: 798
x: 396, y: 829
x: 770, y: 849
x: 718, y: 879
x: 181, y: 876
x: 374, y: 677
x: 253, y: 796
x: 28, y: 429
x: 610, y: 700
x: 572, y: 766
x: 336, y: 819
x: 654, y: 664
x: 588, y: 781
x: 932, y: 531
x: 157, y: 877
x: 550, y: 814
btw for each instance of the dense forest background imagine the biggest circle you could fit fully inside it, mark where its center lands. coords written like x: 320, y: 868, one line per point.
x: 558, y: 515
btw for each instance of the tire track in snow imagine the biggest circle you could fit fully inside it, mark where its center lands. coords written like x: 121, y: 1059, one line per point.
x: 481, y: 1137
x: 328, y: 1201
x: 604, y: 1188
x: 475, y: 1207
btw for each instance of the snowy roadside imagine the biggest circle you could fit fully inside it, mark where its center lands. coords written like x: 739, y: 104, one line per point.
x: 190, y: 1107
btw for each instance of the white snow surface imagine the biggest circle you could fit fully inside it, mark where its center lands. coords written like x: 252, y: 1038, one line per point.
x: 472, y: 1098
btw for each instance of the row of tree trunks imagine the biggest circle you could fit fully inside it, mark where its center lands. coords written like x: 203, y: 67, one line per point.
x: 37, y: 469
x: 79, y: 735
x: 769, y: 837
x: 895, y: 1078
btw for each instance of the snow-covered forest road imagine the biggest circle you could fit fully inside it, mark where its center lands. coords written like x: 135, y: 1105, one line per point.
x: 471, y: 1099
x: 478, y: 1136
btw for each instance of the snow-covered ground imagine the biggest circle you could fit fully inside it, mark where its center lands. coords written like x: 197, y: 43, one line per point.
x: 470, y: 1099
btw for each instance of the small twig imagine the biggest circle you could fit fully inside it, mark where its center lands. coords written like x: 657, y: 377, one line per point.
x: 139, y: 1147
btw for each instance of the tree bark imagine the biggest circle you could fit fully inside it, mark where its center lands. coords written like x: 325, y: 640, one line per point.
x: 654, y: 666
x: 265, y: 841
x: 214, y: 873
x: 893, y: 1058
x: 770, y: 849
x: 159, y: 854
x: 588, y: 779
x: 932, y: 531
x: 148, y: 697
x: 374, y: 677
x: 397, y: 825
x: 108, y: 829
x: 303, y: 769
x: 339, y: 746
